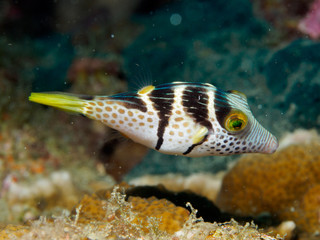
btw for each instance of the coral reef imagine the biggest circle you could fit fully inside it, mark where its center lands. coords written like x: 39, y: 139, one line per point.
x: 307, y: 210
x: 275, y: 184
x: 42, y: 195
x: 116, y: 218
x: 172, y: 217
x: 42, y: 171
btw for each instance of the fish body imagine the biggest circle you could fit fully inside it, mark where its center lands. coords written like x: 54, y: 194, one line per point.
x: 180, y: 118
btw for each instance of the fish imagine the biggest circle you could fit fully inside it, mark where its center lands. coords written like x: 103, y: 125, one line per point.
x: 179, y: 118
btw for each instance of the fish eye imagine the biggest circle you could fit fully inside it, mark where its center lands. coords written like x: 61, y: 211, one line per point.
x: 236, y: 121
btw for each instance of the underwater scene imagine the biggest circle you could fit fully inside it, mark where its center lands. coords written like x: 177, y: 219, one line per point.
x: 164, y: 119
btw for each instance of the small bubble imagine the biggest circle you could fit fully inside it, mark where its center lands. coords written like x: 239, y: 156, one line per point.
x: 112, y: 36
x: 175, y: 19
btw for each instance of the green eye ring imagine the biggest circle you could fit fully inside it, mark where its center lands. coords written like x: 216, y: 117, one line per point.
x: 236, y: 121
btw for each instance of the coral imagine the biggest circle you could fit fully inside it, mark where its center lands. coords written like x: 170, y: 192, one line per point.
x: 116, y: 218
x: 27, y: 199
x: 306, y: 211
x: 286, y: 228
x: 299, y: 136
x: 310, y: 209
x: 272, y: 183
x: 13, y: 232
x: 228, y: 230
x: 42, y: 172
x: 311, y: 23
x: 170, y: 217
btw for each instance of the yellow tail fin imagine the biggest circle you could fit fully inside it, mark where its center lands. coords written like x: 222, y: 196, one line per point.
x: 63, y: 101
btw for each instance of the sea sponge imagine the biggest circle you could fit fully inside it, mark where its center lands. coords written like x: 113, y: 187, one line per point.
x: 273, y: 183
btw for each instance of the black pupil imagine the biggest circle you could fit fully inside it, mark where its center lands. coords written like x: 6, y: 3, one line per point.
x: 236, y: 123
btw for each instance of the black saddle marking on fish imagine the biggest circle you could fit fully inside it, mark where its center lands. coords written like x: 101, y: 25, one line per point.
x: 130, y: 100
x: 195, y: 102
x: 162, y: 100
x: 222, y: 106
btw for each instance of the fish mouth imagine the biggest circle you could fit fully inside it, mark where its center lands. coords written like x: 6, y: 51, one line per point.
x: 271, y: 145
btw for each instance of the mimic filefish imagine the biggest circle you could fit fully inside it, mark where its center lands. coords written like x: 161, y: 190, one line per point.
x: 180, y: 118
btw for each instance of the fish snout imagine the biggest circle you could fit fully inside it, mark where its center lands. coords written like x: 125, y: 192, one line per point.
x: 271, y: 145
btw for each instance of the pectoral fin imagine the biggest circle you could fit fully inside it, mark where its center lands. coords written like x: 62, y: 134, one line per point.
x: 200, y: 135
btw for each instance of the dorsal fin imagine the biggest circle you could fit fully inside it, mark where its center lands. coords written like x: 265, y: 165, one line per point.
x: 146, y: 89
